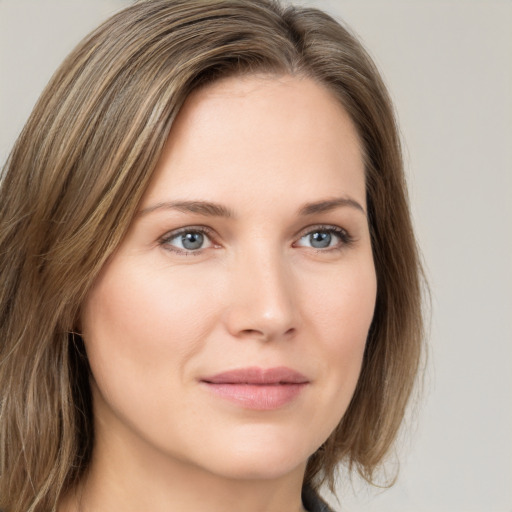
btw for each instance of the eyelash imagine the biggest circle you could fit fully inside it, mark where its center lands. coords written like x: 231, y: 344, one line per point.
x: 345, y: 238
x: 166, y: 239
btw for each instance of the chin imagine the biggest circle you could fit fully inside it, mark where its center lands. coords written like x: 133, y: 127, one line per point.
x: 260, y: 456
x: 260, y: 468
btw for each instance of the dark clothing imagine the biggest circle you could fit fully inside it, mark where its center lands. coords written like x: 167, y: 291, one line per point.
x: 312, y: 502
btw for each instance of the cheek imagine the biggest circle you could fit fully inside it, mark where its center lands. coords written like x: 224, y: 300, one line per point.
x: 342, y: 305
x: 139, y: 326
x: 340, y: 313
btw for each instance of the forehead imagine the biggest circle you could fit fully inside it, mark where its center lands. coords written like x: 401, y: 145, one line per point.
x: 264, y: 135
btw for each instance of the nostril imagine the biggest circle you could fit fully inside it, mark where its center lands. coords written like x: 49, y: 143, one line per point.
x: 253, y: 332
x: 266, y: 336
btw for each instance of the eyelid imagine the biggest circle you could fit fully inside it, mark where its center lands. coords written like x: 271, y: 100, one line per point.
x: 164, y: 240
x: 344, y: 235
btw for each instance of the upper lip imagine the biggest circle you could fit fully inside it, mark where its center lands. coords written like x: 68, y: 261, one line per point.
x: 256, y: 375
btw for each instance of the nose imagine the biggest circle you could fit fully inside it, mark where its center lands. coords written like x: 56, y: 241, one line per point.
x: 262, y: 303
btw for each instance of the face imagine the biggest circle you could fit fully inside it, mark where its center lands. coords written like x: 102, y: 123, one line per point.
x: 227, y: 331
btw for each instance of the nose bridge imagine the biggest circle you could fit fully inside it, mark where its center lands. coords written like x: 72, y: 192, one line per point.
x: 262, y: 302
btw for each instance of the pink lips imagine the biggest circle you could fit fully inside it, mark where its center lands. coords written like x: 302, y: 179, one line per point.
x: 258, y: 388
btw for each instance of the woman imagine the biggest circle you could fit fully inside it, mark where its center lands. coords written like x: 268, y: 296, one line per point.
x: 210, y: 285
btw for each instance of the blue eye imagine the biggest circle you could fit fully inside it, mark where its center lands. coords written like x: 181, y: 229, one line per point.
x: 187, y: 240
x: 324, y: 238
x: 320, y: 239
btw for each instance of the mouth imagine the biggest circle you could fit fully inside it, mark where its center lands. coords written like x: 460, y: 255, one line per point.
x: 257, y: 388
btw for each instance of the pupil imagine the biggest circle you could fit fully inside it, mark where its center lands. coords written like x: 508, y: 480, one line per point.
x: 320, y: 239
x: 192, y: 240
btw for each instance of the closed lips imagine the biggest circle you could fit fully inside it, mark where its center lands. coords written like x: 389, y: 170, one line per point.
x: 258, y: 376
x: 256, y: 388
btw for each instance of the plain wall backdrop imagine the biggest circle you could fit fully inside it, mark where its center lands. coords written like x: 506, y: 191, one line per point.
x: 448, y: 65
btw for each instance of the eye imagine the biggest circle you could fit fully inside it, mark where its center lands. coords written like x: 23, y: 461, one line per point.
x: 325, y: 238
x: 187, y: 240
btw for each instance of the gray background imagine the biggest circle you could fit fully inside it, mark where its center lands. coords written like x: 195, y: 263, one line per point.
x: 449, y: 68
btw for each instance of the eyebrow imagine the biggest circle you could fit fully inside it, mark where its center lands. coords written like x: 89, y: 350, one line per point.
x: 210, y: 209
x: 329, y: 205
x: 201, y: 207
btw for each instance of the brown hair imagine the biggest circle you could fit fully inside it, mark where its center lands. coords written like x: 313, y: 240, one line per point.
x: 74, y: 180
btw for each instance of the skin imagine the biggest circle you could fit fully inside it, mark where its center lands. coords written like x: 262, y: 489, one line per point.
x: 159, y: 318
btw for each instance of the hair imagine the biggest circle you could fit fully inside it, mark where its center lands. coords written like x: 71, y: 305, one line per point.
x: 72, y: 185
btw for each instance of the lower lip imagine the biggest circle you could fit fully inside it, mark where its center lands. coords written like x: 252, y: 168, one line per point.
x: 260, y: 397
